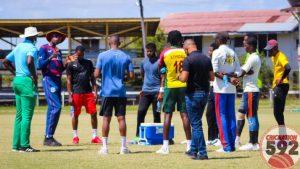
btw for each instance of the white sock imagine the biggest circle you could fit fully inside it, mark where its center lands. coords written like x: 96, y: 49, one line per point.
x: 94, y: 133
x: 123, y: 142
x: 104, y: 142
x: 166, y: 144
x: 75, y: 134
x: 188, y: 144
x: 237, y: 138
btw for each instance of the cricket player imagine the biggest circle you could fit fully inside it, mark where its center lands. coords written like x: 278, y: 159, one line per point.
x: 172, y: 90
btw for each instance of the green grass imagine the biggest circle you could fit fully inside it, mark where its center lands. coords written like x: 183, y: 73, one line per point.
x: 85, y: 155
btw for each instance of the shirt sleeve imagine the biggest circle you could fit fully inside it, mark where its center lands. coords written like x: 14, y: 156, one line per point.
x: 43, y: 59
x: 161, y: 62
x: 99, y: 62
x: 215, y: 61
x: 283, y: 60
x: 248, y: 64
x: 11, y: 56
x: 130, y: 65
x: 186, y: 65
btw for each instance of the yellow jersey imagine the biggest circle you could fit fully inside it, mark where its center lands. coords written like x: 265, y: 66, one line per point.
x: 279, y: 63
x: 172, y: 59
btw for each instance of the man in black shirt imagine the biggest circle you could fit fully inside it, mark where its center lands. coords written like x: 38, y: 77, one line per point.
x: 80, y: 85
x: 197, y: 72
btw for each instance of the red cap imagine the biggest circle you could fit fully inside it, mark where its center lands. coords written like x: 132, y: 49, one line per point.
x: 271, y: 44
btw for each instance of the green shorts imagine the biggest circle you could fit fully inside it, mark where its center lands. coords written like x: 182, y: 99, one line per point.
x: 172, y: 97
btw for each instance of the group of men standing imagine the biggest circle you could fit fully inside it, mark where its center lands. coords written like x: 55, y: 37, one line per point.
x: 181, y: 77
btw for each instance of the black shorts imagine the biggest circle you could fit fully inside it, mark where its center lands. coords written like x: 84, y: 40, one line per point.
x: 118, y: 103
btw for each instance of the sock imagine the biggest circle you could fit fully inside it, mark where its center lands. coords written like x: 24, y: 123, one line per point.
x: 75, y: 134
x: 123, y: 142
x: 188, y: 144
x: 94, y: 133
x: 104, y: 142
x: 240, y: 126
x: 166, y: 144
x: 237, y: 139
x: 253, y: 137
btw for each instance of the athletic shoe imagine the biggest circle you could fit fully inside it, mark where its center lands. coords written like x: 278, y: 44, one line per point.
x: 51, y: 142
x: 124, y: 150
x: 75, y: 140
x: 28, y: 150
x: 217, y: 142
x: 198, y: 157
x: 191, y: 154
x: 103, y: 151
x: 209, y: 142
x: 163, y: 150
x: 15, y: 150
x: 135, y: 140
x: 249, y: 147
x: 171, y: 142
x: 221, y: 150
x: 96, y: 140
x: 237, y: 143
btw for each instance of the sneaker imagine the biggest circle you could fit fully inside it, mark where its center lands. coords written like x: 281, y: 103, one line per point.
x: 217, y: 143
x: 221, y: 150
x: 198, y: 157
x: 249, y: 147
x: 125, y: 150
x: 103, y: 151
x: 51, y: 142
x: 75, y: 140
x: 15, y: 150
x: 28, y: 150
x: 237, y: 143
x: 135, y: 140
x: 96, y: 140
x: 191, y: 154
x: 171, y: 142
x: 209, y: 142
x: 163, y: 150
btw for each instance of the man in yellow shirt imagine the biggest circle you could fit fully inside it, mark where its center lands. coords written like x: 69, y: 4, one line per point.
x: 172, y: 90
x: 280, y: 82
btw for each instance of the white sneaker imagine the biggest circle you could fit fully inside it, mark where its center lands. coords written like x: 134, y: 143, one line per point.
x: 237, y: 143
x: 103, y: 151
x: 221, y: 150
x: 217, y: 143
x: 209, y: 142
x: 249, y: 147
x: 124, y: 150
x: 163, y: 150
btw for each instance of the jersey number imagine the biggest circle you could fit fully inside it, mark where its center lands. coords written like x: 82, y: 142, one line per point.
x: 178, y: 66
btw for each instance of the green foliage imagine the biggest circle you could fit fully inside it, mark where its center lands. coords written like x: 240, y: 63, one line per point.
x: 159, y: 39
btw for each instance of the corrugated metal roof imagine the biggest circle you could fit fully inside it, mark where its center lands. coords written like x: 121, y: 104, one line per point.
x: 212, y: 22
x: 269, y: 27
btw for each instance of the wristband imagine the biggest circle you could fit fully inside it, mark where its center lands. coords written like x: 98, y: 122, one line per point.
x: 161, y: 89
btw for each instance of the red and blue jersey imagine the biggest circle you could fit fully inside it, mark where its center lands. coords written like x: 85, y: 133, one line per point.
x: 53, y: 67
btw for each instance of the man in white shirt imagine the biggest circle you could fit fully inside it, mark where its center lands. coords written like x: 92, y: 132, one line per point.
x: 249, y: 72
x: 225, y: 62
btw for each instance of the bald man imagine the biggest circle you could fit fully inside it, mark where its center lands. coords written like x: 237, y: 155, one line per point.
x: 113, y: 65
x: 197, y: 72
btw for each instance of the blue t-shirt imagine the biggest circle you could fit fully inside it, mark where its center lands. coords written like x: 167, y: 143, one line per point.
x: 113, y: 65
x: 151, y: 75
x: 19, y: 55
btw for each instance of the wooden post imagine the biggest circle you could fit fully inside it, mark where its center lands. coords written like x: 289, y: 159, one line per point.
x: 69, y: 40
x: 106, y: 35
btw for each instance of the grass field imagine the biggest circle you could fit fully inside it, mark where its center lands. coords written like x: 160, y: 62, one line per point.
x: 85, y: 155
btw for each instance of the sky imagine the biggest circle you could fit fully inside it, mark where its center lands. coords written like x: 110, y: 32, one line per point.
x: 37, y: 9
x: 29, y: 9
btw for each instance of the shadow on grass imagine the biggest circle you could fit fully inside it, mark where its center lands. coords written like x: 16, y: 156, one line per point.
x: 228, y: 158
x: 64, y: 150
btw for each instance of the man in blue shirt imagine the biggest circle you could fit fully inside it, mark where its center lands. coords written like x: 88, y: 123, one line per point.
x: 113, y: 65
x: 151, y: 85
x: 22, y: 63
x: 51, y: 63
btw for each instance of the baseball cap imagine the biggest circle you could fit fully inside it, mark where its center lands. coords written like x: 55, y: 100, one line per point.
x: 271, y: 44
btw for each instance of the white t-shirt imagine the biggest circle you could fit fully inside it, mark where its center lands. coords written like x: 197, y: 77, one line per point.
x: 224, y: 60
x: 253, y: 63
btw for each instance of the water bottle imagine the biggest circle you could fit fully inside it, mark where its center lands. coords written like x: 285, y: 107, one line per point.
x: 158, y: 109
x: 225, y: 81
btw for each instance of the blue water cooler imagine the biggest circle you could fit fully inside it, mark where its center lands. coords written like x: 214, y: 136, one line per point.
x: 152, y: 133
